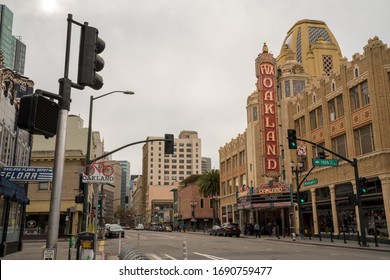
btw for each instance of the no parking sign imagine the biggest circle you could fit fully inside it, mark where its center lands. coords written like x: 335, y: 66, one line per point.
x: 302, y: 150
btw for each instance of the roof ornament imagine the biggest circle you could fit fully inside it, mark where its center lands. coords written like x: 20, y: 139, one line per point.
x: 265, y: 48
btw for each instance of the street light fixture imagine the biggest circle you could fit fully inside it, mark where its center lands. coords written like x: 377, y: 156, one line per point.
x: 298, y: 170
x: 88, y: 156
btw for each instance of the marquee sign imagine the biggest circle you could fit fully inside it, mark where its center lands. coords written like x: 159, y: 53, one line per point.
x: 267, y: 195
x: 269, y: 130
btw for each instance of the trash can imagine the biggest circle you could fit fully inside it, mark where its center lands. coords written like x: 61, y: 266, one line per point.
x: 85, y: 245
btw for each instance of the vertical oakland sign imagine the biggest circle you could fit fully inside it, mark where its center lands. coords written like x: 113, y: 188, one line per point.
x: 266, y: 66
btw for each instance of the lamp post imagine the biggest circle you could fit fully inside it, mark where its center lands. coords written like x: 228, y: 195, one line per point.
x: 215, y: 210
x: 88, y: 156
x: 193, y: 205
x: 298, y: 170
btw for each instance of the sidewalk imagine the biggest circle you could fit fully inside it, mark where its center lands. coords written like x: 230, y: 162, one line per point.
x: 33, y: 250
x: 327, y: 242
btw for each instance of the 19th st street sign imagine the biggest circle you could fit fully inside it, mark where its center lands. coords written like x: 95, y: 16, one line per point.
x: 325, y: 162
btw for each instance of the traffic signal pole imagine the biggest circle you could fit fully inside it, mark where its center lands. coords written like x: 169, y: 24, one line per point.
x: 353, y: 162
x: 59, y: 156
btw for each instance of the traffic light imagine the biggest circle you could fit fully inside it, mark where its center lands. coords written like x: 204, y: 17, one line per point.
x: 168, y: 146
x: 292, y: 138
x: 363, y: 185
x: 89, y: 60
x: 322, y: 155
x: 302, y: 197
x: 38, y: 115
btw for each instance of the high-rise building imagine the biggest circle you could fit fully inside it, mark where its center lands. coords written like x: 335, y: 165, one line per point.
x: 12, y: 48
x: 161, y: 172
x: 206, y: 164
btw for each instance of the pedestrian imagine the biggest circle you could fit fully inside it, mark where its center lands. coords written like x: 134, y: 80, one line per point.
x: 257, y: 230
x: 269, y: 229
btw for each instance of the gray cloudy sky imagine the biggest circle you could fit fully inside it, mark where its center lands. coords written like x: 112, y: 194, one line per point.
x: 189, y: 62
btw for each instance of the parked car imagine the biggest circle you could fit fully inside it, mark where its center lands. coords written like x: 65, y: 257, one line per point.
x: 168, y: 228
x: 230, y: 229
x: 114, y: 230
x: 139, y: 227
x: 215, y: 230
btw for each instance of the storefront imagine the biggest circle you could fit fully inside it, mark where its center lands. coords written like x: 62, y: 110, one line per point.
x: 269, y: 205
x: 13, y: 202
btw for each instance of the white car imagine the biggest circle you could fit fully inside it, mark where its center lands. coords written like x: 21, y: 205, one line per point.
x: 139, y: 227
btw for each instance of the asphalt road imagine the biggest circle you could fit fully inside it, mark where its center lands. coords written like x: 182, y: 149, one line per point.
x: 171, y: 246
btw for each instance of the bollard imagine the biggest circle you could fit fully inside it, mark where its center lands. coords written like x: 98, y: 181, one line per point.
x: 293, y: 236
x: 375, y: 237
x: 184, y: 250
x: 319, y: 235
x: 309, y: 234
x: 345, y: 240
x: 358, y: 237
x: 277, y: 232
x: 331, y: 236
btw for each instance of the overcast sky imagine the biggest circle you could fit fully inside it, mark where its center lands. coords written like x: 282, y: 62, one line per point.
x: 189, y: 62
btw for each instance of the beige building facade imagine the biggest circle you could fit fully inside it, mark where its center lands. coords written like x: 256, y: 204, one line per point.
x: 335, y: 103
x: 71, y: 212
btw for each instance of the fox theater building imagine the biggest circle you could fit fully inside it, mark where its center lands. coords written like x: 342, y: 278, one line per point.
x: 329, y: 102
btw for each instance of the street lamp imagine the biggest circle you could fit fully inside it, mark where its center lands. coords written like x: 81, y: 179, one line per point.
x: 88, y: 156
x: 193, y: 205
x: 298, y: 170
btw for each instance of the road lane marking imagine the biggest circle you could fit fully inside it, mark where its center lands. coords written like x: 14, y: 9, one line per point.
x: 155, y: 257
x: 169, y: 257
x: 209, y: 256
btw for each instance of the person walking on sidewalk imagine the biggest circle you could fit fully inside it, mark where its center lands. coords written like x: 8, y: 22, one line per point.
x: 257, y: 230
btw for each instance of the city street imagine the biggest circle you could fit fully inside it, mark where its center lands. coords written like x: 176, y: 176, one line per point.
x: 200, y: 246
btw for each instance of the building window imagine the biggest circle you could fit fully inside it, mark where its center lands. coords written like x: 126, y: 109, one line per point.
x: 354, y: 93
x: 300, y: 126
x: 359, y: 95
x: 201, y: 203
x: 313, y: 120
x: 363, y: 140
x: 339, y: 145
x: 287, y: 88
x: 327, y: 63
x: 356, y: 71
x: 254, y: 112
x: 298, y: 87
x: 365, y: 93
x: 333, y: 89
x: 332, y: 109
x: 340, y: 106
x: 319, y: 116
x: 43, y: 186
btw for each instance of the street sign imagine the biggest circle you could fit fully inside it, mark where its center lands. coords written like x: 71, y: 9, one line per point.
x: 311, y: 182
x: 49, y: 254
x: 325, y: 162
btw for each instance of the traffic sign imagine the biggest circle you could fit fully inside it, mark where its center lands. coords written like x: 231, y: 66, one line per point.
x: 302, y: 150
x: 311, y: 182
x: 325, y: 162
